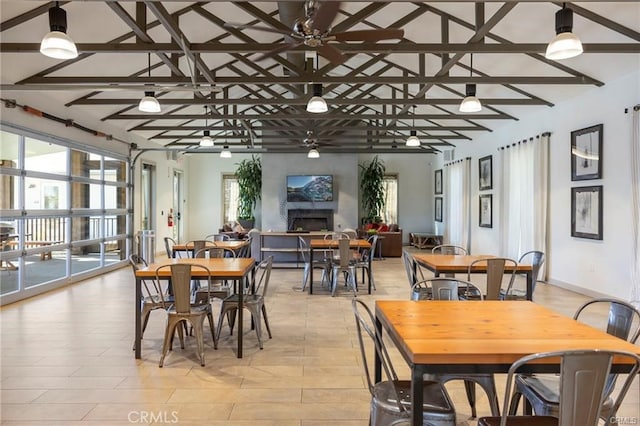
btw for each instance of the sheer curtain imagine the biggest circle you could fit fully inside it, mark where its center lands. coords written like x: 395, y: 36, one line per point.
x: 635, y: 206
x: 524, y: 197
x: 457, y: 184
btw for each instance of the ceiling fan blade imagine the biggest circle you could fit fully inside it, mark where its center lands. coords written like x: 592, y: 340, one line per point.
x: 258, y: 28
x: 324, y: 16
x: 370, y: 35
x: 332, y: 54
x: 281, y: 48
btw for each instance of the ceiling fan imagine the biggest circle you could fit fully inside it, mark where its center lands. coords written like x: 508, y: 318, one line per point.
x: 314, y: 30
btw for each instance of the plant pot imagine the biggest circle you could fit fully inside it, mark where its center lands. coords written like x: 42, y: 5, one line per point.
x: 247, y: 223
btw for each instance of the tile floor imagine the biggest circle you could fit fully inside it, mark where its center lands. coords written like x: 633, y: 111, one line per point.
x: 66, y: 359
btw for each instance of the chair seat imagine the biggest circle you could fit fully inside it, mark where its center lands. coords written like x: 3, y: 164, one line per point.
x: 438, y: 409
x: 520, y: 420
x: 195, y: 310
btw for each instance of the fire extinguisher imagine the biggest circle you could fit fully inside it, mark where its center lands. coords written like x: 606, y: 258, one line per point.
x: 170, y: 218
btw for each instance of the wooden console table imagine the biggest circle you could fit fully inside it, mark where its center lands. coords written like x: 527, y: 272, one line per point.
x: 285, y: 246
x: 424, y: 240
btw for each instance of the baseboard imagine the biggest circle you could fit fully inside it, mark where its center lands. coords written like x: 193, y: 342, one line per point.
x: 575, y: 288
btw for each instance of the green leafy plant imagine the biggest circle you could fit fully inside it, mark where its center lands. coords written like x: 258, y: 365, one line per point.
x: 249, y: 175
x: 372, y: 188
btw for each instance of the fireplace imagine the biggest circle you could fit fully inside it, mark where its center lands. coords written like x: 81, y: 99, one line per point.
x: 310, y: 219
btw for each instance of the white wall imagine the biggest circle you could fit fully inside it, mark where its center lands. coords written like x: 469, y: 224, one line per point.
x: 590, y: 266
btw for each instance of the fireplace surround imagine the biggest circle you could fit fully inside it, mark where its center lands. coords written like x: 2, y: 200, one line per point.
x: 310, y: 219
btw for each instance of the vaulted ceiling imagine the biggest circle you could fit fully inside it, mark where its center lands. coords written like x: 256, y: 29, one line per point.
x: 213, y: 66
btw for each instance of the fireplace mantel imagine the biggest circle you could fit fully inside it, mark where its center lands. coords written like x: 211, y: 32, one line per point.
x: 310, y: 219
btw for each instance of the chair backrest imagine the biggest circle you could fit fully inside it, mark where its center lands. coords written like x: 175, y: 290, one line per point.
x: 304, y: 249
x: 263, y: 275
x: 448, y: 249
x: 623, y: 321
x: 583, y: 377
x: 245, y: 250
x: 181, y: 274
x: 214, y: 252
x: 345, y: 252
x: 217, y: 237
x: 150, y: 287
x: 496, y: 269
x: 365, y: 326
x: 351, y: 233
x: 410, y: 267
x: 168, y: 246
x: 534, y: 258
x: 441, y: 288
x: 194, y: 247
x: 370, y: 252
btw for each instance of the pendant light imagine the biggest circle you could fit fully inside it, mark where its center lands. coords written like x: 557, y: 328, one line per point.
x: 206, y: 140
x: 57, y: 44
x: 470, y: 103
x: 565, y: 45
x: 413, y: 140
x: 317, y: 104
x: 313, y: 153
x: 149, y: 103
x: 225, y: 153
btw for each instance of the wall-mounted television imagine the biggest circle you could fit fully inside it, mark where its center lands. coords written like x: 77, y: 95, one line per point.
x: 310, y: 188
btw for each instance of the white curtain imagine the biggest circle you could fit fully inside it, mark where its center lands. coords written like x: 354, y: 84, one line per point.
x: 524, y: 197
x: 457, y: 185
x: 635, y: 206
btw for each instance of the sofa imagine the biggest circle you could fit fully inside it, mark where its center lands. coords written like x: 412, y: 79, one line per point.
x: 391, y: 241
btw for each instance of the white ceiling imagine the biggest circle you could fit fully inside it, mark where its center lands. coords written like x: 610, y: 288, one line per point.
x: 95, y: 24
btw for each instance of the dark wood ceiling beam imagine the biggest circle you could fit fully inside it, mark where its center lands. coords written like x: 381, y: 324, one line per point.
x: 303, y: 101
x: 599, y: 19
x: 311, y: 116
x: 625, y: 48
x: 255, y: 80
x: 28, y: 15
x: 349, y: 130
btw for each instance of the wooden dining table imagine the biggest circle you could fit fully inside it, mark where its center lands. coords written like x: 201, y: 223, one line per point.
x: 227, y: 244
x: 322, y: 245
x: 481, y: 337
x: 233, y: 269
x: 459, y: 264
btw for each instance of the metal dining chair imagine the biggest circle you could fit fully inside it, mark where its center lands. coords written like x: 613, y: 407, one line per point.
x: 583, y: 379
x: 535, y: 258
x: 391, y: 398
x: 542, y: 392
x: 497, y: 268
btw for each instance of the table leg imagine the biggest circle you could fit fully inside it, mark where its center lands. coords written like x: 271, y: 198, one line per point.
x: 370, y: 273
x: 530, y: 279
x: 311, y: 270
x: 377, y: 365
x: 138, y: 321
x: 240, y: 311
x: 416, y: 396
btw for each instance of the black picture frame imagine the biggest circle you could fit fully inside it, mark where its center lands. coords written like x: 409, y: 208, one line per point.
x: 437, y: 207
x: 437, y: 179
x: 485, y: 173
x: 586, y: 153
x: 485, y: 212
x: 586, y: 212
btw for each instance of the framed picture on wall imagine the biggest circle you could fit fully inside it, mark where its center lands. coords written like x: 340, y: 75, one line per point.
x: 438, y: 181
x: 438, y: 209
x: 586, y: 212
x: 486, y: 211
x: 485, y: 168
x: 586, y: 153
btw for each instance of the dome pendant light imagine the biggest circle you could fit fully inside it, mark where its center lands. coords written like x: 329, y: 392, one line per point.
x: 313, y: 153
x: 149, y: 103
x: 225, y: 153
x: 565, y: 45
x: 206, y: 140
x: 57, y: 44
x: 470, y: 103
x: 317, y: 104
x: 413, y: 140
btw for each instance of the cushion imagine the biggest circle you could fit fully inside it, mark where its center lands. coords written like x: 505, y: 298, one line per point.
x: 383, y: 227
x: 394, y: 227
x: 227, y: 227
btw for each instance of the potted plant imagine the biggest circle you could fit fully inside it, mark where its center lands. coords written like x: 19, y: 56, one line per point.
x: 372, y: 189
x: 249, y: 175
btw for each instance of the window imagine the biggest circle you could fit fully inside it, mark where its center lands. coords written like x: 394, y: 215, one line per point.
x: 390, y: 209
x: 230, y: 191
